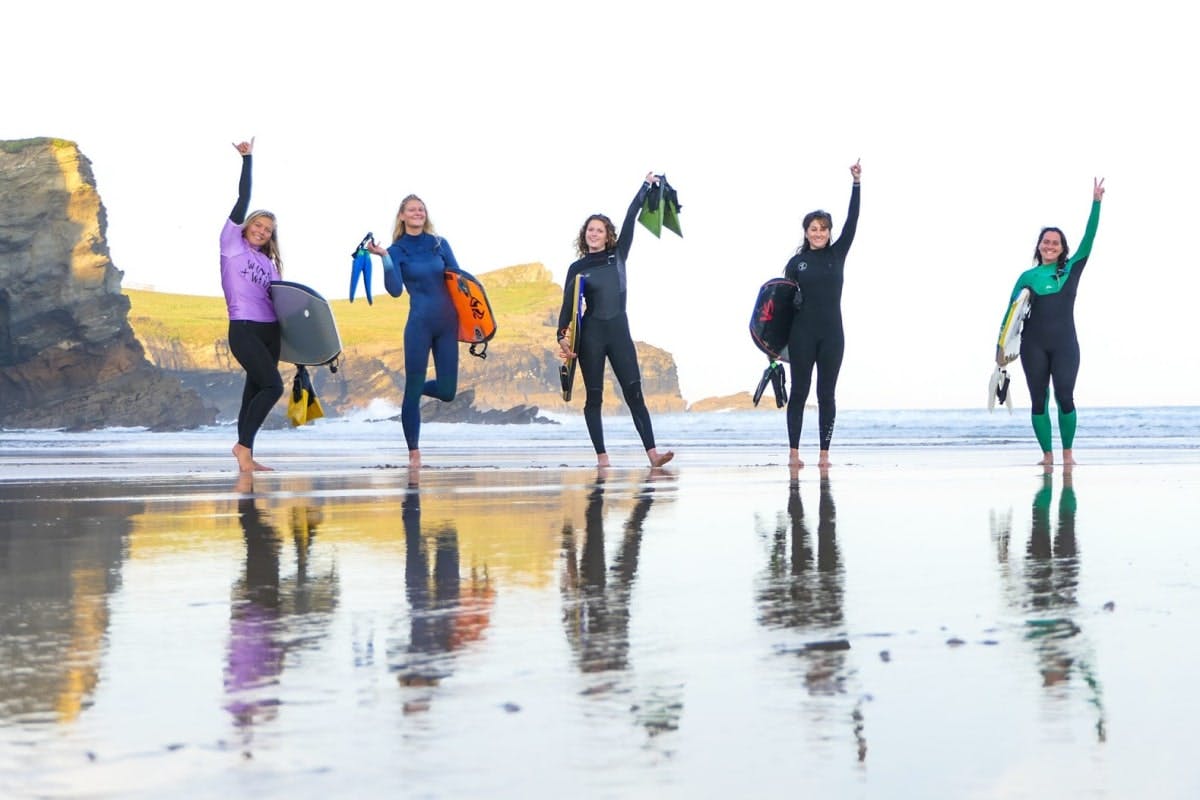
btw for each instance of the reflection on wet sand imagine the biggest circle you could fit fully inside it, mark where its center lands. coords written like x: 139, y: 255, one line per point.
x: 446, y: 613
x: 60, y: 565
x: 596, y: 600
x: 803, y: 589
x: 273, y: 617
x: 1045, y: 594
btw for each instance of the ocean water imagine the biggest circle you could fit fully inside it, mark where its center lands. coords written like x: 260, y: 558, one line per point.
x: 374, y: 433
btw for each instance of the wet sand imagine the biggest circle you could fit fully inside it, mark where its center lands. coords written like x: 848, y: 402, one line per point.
x: 927, y: 622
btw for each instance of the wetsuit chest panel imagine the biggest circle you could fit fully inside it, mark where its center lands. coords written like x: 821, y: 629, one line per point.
x: 602, y: 288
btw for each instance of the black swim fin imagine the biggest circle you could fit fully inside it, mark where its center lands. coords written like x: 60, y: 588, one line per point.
x: 762, y: 385
x: 779, y: 383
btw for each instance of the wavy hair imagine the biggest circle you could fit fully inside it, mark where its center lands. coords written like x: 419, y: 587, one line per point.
x: 610, y: 234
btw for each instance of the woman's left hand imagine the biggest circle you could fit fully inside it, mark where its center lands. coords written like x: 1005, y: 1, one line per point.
x: 1097, y: 189
x: 651, y: 178
x: 856, y: 171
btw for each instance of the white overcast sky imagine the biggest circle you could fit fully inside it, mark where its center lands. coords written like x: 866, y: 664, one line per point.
x: 976, y: 125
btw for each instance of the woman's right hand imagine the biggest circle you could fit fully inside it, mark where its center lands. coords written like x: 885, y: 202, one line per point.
x: 1001, y: 361
x: 245, y: 148
x: 564, y: 350
x: 372, y: 247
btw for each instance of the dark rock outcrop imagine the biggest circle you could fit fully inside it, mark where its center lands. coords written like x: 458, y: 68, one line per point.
x: 462, y: 409
x: 68, y: 356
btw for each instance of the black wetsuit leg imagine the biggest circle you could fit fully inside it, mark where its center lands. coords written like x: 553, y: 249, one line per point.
x: 830, y: 350
x: 256, y: 345
x: 1064, y: 369
x: 1036, y: 364
x: 592, y: 348
x: 825, y: 353
x: 802, y: 352
x: 622, y: 354
x: 611, y: 339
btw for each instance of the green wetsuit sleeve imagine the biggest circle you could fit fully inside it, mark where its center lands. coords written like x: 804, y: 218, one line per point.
x: 1017, y: 287
x: 1085, y: 246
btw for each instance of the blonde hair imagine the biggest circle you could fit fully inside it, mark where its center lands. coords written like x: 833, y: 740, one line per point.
x: 398, y: 230
x: 271, y: 248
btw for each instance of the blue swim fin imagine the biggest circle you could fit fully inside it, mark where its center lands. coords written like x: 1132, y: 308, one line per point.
x: 360, y: 267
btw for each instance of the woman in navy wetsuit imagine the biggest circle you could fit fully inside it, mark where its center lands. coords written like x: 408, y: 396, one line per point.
x: 1049, y: 345
x: 605, y: 329
x: 816, y: 337
x: 419, y: 259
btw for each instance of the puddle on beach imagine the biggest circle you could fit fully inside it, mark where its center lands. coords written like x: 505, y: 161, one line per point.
x: 700, y: 632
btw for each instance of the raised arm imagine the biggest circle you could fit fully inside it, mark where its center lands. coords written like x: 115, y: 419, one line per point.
x: 238, y: 214
x: 848, y: 230
x: 1085, y: 246
x: 625, y: 237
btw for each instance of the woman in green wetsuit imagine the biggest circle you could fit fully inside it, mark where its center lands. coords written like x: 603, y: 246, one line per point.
x: 1049, y: 346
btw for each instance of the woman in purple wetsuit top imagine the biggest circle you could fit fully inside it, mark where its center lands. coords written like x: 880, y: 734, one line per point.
x: 249, y: 262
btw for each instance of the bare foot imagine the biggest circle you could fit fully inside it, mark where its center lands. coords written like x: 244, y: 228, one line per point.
x: 794, y: 459
x: 1068, y: 458
x: 1047, y: 459
x: 245, y: 483
x: 245, y: 458
x: 602, y: 460
x: 414, y: 459
x: 659, y: 459
x: 823, y: 460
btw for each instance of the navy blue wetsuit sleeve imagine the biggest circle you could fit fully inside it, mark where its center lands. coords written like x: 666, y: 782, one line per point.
x: 448, y: 256
x: 238, y: 214
x: 393, y: 281
x: 848, y: 230
x: 625, y: 238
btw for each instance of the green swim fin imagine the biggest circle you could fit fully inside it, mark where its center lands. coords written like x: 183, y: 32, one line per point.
x: 652, y: 212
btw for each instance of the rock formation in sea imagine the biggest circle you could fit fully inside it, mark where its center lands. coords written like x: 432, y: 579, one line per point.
x: 68, y: 356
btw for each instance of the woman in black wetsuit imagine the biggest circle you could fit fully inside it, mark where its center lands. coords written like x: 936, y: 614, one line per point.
x: 816, y: 337
x: 605, y: 328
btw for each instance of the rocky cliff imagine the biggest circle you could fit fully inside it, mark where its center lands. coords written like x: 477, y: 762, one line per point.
x: 68, y: 356
x: 186, y: 334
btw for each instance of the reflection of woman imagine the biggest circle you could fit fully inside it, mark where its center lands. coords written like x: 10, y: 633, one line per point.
x: 1049, y: 345
x: 605, y: 328
x: 250, y: 260
x: 816, y: 336
x: 256, y: 648
x: 794, y: 595
x: 442, y: 619
x: 419, y: 259
x: 1051, y: 584
x: 263, y: 602
x: 597, y: 616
